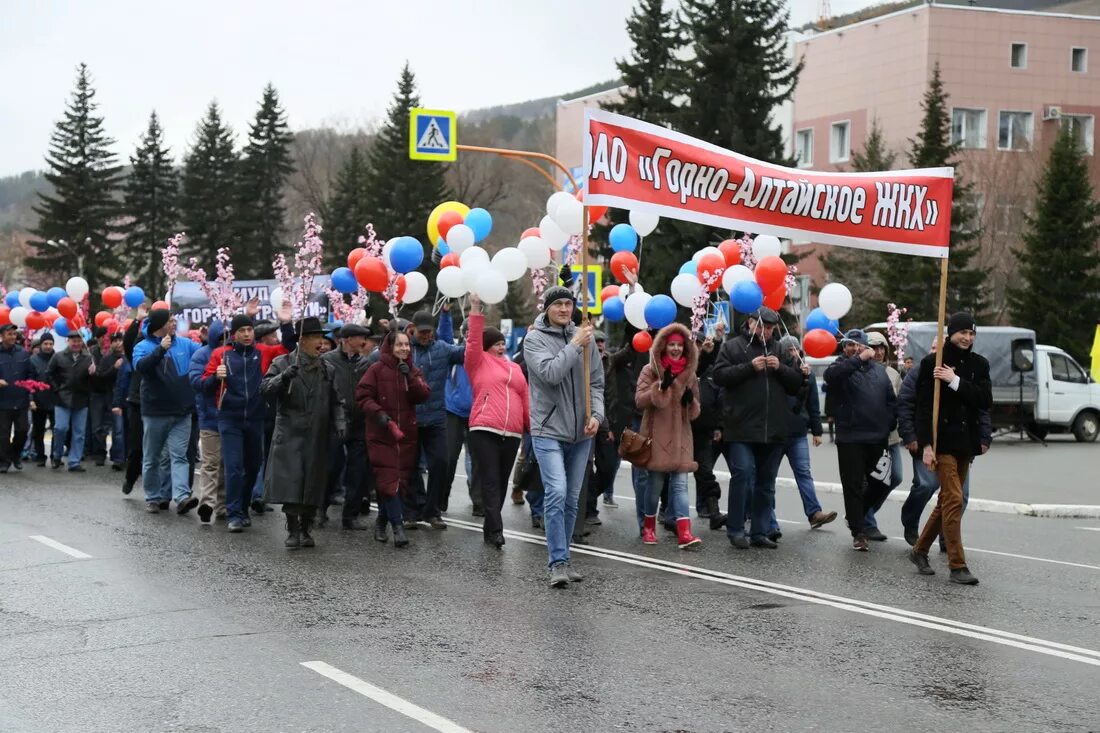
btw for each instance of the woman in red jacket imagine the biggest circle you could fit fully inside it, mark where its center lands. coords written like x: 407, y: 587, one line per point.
x: 388, y: 394
x: 500, y: 415
x: 668, y: 394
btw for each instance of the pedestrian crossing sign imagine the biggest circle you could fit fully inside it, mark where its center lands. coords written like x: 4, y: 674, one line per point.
x: 432, y: 135
x: 595, y: 285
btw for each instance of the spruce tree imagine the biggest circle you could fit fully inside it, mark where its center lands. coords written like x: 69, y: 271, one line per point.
x: 913, y: 282
x: 264, y: 169
x: 208, y: 194
x: 151, y: 195
x: 651, y: 71
x: 858, y: 268
x: 400, y: 192
x: 348, y: 210
x: 82, y: 209
x: 1058, y: 289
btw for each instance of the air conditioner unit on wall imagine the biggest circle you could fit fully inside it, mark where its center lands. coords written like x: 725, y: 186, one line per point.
x: 1052, y: 112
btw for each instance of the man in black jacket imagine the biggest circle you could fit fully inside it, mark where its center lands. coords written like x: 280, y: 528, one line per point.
x: 950, y: 445
x: 15, y: 366
x: 69, y: 373
x: 757, y: 384
x: 42, y: 402
x: 349, y: 457
x: 864, y: 415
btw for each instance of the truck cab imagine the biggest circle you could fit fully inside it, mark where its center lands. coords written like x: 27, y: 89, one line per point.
x: 1068, y: 398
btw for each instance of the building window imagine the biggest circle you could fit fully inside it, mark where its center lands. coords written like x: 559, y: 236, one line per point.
x: 1019, y: 56
x: 968, y: 127
x: 804, y: 148
x: 1081, y: 128
x: 840, y: 142
x: 1008, y: 218
x: 969, y: 210
x: 1014, y: 131
x: 1079, y: 60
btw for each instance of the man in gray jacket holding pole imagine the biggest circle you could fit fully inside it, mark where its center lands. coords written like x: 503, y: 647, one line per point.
x: 561, y: 433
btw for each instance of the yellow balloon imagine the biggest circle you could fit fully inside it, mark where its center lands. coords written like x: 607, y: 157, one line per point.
x: 443, y: 208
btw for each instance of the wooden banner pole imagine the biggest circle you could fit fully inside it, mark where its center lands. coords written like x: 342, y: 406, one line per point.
x: 937, y: 384
x: 584, y: 318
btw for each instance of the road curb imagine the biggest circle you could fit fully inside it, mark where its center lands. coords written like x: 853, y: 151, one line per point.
x: 1052, y: 511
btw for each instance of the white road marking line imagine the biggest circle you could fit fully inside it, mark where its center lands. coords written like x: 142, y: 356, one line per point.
x: 890, y: 613
x: 393, y: 702
x: 58, y: 546
x: 1089, y: 529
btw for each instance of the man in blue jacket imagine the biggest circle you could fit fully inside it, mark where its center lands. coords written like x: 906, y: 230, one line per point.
x: 15, y: 366
x: 211, y: 475
x: 167, y: 402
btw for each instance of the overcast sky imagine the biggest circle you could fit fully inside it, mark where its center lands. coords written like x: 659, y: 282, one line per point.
x: 333, y: 63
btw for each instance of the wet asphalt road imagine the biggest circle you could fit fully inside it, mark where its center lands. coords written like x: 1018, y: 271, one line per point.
x: 170, y: 626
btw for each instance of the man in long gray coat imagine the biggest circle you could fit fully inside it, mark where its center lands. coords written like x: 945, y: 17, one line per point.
x: 309, y: 416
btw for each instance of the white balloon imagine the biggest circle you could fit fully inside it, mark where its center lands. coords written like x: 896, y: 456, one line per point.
x: 570, y: 216
x: 511, y: 263
x: 643, y: 222
x: 707, y: 251
x: 734, y: 275
x: 491, y: 286
x: 635, y: 309
x: 685, y: 288
x: 555, y: 201
x: 449, y: 282
x: 765, y: 245
x: 386, y: 249
x: 167, y: 298
x: 18, y: 315
x: 77, y: 288
x: 460, y: 238
x: 835, y: 300
x: 276, y: 299
x: 416, y: 286
x: 626, y: 290
x: 25, y: 296
x: 536, y: 252
x: 474, y: 258
x: 551, y: 234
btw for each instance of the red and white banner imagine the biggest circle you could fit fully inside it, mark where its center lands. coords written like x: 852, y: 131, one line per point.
x: 631, y: 164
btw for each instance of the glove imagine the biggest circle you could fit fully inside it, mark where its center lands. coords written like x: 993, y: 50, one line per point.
x: 566, y: 275
x: 395, y: 431
x: 403, y: 367
x: 666, y: 381
x: 290, y: 372
x: 687, y: 398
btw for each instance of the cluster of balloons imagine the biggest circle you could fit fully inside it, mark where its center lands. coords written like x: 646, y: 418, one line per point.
x: 822, y: 324
x: 748, y: 289
x: 624, y: 241
x: 455, y: 227
x: 400, y: 258
x: 639, y: 308
x: 55, y: 308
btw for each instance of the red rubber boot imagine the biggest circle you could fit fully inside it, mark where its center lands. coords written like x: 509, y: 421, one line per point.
x: 684, y: 537
x: 649, y: 530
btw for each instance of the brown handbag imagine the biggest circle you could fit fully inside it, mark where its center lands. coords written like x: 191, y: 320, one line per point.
x: 635, y: 448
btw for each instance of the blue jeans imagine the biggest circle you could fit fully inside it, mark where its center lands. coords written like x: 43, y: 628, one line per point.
x: 242, y: 454
x: 66, y: 418
x: 925, y: 483
x: 677, y: 493
x: 171, y: 433
x: 562, y: 467
x: 753, y: 467
x: 797, y: 451
x: 118, y: 439
x: 896, y: 477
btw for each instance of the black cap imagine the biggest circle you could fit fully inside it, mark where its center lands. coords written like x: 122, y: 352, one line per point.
x: 766, y: 315
x: 239, y: 321
x: 961, y: 322
x: 8, y: 327
x: 856, y: 336
x: 158, y: 319
x: 423, y: 320
x: 265, y: 327
x: 351, y: 330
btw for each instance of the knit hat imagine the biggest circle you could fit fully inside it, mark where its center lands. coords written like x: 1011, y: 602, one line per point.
x: 961, y: 322
x: 675, y: 336
x: 598, y: 336
x: 557, y: 293
x: 787, y: 343
x: 46, y: 337
x: 855, y: 335
x: 489, y: 337
x: 239, y: 321
x: 158, y: 318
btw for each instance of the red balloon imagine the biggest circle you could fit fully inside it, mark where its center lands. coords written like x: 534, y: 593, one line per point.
x: 819, y: 343
x: 731, y: 250
x: 532, y: 232
x: 67, y: 307
x: 35, y: 321
x: 75, y: 323
x: 770, y: 273
x: 355, y: 255
x: 642, y: 341
x: 5, y: 315
x: 50, y: 317
x: 111, y: 325
x: 621, y: 261
x: 447, y: 220
x: 595, y: 213
x: 127, y: 323
x: 371, y: 273
x: 449, y: 260
x: 608, y: 291
x: 774, y: 299
x: 160, y: 305
x: 709, y: 270
x: 401, y: 287
x: 101, y: 318
x: 112, y: 297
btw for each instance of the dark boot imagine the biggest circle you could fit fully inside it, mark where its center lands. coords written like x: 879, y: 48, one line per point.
x: 381, y: 530
x: 307, y: 538
x: 399, y: 538
x: 293, y: 532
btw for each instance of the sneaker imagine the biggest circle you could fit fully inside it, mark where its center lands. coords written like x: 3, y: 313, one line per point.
x: 437, y: 523
x: 536, y: 522
x: 821, y: 518
x: 962, y: 576
x: 859, y: 543
x: 205, y: 512
x: 235, y: 526
x: 741, y: 542
x: 874, y: 534
x: 775, y: 536
x: 246, y: 522
x: 77, y: 469
x: 574, y: 576
x: 559, y: 576
x: 151, y: 507
x: 911, y: 536
x: 764, y: 542
x: 182, y: 507
x: 609, y: 500
x: 593, y: 521
x: 921, y: 561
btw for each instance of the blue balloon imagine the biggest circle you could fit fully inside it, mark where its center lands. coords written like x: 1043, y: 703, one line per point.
x: 12, y: 299
x: 614, y: 309
x: 343, y: 279
x: 688, y: 268
x: 406, y: 254
x: 61, y: 327
x: 660, y: 311
x: 623, y: 238
x: 40, y: 302
x: 818, y: 319
x: 55, y: 294
x: 443, y: 248
x: 134, y: 296
x: 746, y: 296
x: 481, y: 221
